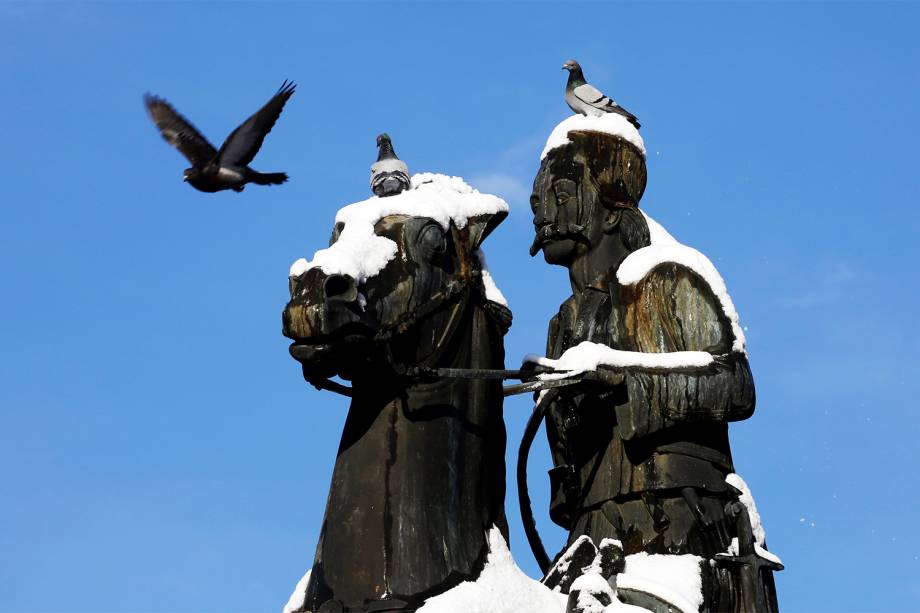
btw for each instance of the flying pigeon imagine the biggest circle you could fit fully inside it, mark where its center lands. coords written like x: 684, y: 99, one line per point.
x: 389, y: 174
x: 228, y: 168
x: 584, y: 98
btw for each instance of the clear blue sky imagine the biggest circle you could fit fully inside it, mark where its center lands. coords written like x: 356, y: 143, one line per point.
x: 159, y: 451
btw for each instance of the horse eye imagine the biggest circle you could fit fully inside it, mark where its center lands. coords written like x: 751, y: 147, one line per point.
x: 433, y: 239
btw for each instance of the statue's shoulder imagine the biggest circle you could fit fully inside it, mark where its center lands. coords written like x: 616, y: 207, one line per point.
x: 672, y: 268
x: 668, y: 279
x: 677, y: 298
x: 675, y: 276
x: 566, y: 310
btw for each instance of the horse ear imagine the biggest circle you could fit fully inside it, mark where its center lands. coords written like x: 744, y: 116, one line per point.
x: 481, y: 226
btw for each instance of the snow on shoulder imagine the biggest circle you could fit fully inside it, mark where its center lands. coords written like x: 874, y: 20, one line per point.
x: 608, y: 123
x: 361, y: 254
x: 665, y: 248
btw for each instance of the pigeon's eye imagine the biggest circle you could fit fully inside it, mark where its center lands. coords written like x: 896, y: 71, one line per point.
x: 432, y: 239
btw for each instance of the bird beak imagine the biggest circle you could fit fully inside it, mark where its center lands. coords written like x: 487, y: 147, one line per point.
x: 185, y: 179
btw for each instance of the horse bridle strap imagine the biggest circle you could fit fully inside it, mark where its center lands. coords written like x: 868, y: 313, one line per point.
x: 430, y: 307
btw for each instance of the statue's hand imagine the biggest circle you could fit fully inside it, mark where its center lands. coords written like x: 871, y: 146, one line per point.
x: 529, y: 371
x: 610, y: 375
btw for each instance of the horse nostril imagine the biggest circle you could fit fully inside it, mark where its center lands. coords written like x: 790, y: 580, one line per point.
x: 340, y: 288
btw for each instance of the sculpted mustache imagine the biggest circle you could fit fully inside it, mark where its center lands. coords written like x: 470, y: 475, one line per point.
x: 557, y: 232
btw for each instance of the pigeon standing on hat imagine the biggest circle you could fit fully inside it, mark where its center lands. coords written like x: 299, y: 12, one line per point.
x: 584, y: 98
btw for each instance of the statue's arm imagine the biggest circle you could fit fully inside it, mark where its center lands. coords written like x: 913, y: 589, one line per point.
x: 675, y: 310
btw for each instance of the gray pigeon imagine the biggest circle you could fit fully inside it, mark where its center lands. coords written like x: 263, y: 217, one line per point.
x: 584, y: 98
x: 389, y: 174
x: 213, y: 170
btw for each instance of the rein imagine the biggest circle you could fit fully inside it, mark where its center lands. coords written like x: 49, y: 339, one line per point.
x: 457, y: 296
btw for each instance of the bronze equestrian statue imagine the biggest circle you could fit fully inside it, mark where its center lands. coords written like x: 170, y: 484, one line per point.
x: 419, y: 479
x: 641, y: 455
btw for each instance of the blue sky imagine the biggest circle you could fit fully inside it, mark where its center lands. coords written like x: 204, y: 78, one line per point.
x: 159, y: 451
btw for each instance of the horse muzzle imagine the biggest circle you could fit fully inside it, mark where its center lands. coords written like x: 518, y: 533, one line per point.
x: 326, y: 321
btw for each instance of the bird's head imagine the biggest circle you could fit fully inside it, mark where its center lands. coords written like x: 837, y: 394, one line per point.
x: 571, y: 65
x: 385, y: 148
x: 189, y: 174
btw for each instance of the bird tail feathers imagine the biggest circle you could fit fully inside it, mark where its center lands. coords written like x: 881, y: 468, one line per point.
x: 268, y: 178
x: 629, y: 116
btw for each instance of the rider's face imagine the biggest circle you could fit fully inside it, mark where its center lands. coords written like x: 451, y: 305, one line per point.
x: 563, y: 211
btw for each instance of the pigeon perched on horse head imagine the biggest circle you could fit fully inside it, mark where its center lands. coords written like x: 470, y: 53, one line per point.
x: 584, y: 98
x: 389, y: 174
x: 228, y: 168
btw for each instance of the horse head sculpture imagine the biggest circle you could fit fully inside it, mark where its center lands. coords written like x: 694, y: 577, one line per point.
x: 419, y: 478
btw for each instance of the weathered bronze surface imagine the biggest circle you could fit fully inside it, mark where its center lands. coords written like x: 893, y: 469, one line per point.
x: 419, y: 478
x: 642, y: 458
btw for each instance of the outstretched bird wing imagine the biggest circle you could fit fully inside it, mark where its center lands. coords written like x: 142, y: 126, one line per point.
x: 179, y: 132
x: 589, y: 94
x: 243, y: 143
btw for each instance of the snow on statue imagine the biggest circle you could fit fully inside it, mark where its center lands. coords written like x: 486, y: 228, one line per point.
x: 645, y: 367
x: 640, y: 450
x: 419, y: 477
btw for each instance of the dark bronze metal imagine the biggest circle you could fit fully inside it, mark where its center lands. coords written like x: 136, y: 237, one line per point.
x: 530, y: 526
x: 757, y: 591
x: 640, y: 456
x: 419, y: 478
